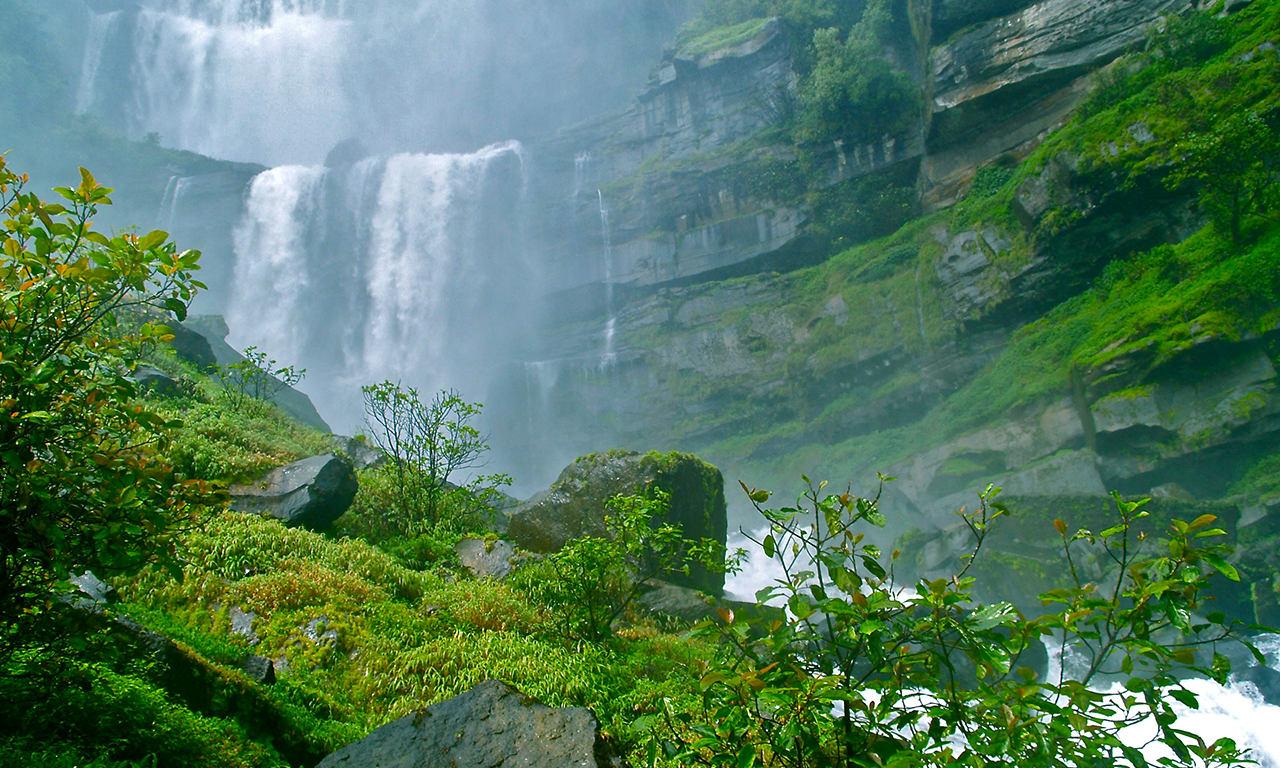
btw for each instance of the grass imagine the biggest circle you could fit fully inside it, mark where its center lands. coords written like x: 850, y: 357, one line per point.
x: 722, y: 37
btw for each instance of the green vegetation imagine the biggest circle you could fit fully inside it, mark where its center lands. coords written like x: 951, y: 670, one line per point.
x: 840, y: 682
x: 593, y: 580
x: 723, y: 37
x: 81, y: 486
x: 374, y: 619
x: 1132, y: 148
x: 409, y: 504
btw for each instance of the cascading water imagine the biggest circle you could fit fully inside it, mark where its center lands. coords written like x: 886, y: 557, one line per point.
x: 100, y: 28
x: 169, y: 203
x: 611, y: 321
x: 283, y: 81
x: 394, y: 268
x: 241, y: 79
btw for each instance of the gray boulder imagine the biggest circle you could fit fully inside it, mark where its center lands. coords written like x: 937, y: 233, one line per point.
x: 362, y: 455
x: 93, y: 589
x: 260, y: 669
x: 486, y: 559
x: 312, y: 493
x: 153, y: 381
x: 687, y: 606
x: 492, y: 725
x: 192, y: 347
x: 576, y: 504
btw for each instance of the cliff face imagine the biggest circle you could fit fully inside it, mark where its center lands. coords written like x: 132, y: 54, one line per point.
x: 974, y: 346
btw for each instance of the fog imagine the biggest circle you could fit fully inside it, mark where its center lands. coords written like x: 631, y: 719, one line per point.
x: 385, y: 235
x: 282, y: 81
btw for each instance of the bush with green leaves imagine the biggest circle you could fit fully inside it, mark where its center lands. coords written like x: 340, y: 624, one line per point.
x: 867, y: 672
x: 256, y: 377
x: 853, y: 92
x: 427, y: 445
x: 593, y: 580
x: 1236, y: 167
x: 82, y: 486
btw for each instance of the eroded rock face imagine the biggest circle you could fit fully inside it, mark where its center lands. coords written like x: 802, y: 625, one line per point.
x: 492, y: 725
x: 576, y: 505
x: 312, y: 493
x: 951, y: 15
x: 1052, y: 39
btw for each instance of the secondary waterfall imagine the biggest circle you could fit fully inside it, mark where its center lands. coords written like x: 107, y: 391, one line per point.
x: 408, y: 268
x: 607, y: 277
x: 242, y: 80
x: 100, y: 28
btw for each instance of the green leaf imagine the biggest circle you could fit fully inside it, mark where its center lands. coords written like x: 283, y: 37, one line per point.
x: 152, y: 239
x: 747, y: 756
x: 1221, y: 565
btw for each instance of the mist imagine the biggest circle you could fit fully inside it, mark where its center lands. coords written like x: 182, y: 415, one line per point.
x: 383, y: 225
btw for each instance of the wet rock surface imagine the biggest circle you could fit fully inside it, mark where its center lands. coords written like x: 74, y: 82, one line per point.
x: 576, y: 505
x: 492, y: 725
x: 312, y: 493
x: 486, y: 559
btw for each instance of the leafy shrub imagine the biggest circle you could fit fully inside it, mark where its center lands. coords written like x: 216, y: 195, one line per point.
x: 592, y: 581
x: 866, y: 672
x: 256, y: 377
x: 427, y: 444
x: 81, y: 487
x: 989, y: 180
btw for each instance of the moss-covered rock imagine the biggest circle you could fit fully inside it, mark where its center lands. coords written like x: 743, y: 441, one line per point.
x: 576, y: 504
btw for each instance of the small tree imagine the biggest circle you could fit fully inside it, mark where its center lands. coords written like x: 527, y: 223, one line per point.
x: 81, y: 484
x: 596, y: 579
x: 428, y: 444
x: 867, y: 672
x: 256, y: 377
x: 1236, y: 167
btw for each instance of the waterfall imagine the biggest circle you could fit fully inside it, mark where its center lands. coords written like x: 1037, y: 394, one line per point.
x: 241, y: 80
x: 272, y: 269
x: 100, y: 27
x: 169, y: 203
x: 611, y: 322
x: 408, y: 268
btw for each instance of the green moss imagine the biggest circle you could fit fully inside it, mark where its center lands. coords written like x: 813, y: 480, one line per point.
x: 1131, y: 393
x: 722, y: 37
x: 1261, y: 478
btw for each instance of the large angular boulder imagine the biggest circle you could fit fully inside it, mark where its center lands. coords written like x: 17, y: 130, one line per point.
x: 576, y: 504
x: 311, y: 493
x: 491, y: 725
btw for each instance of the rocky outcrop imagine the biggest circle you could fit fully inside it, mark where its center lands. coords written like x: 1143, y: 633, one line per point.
x: 645, y: 184
x: 491, y: 725
x: 687, y: 606
x: 155, y: 382
x: 312, y: 493
x: 214, y: 330
x: 577, y: 503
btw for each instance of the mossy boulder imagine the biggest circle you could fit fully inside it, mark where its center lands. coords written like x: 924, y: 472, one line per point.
x: 576, y: 504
